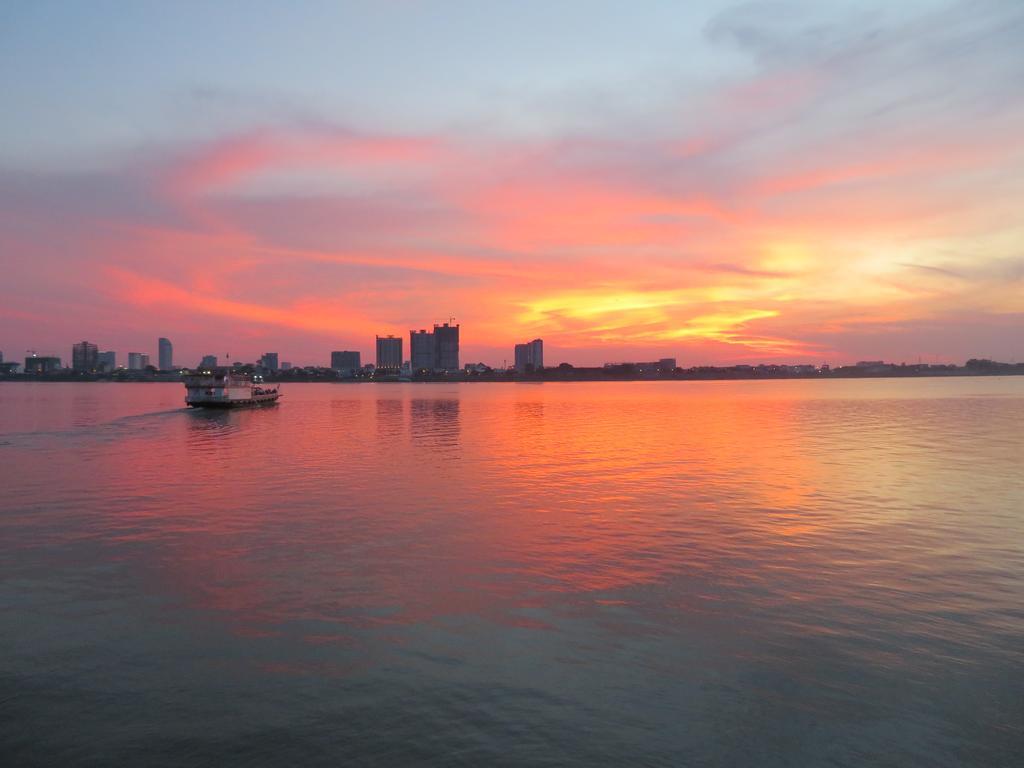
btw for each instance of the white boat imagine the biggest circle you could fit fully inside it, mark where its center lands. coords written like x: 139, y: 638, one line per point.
x: 224, y: 388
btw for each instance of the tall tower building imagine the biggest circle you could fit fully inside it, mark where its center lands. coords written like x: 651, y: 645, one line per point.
x: 269, y: 361
x: 138, y: 361
x: 389, y: 353
x: 446, y: 347
x: 530, y: 356
x: 84, y: 357
x: 165, y: 354
x: 345, y: 363
x: 422, y: 354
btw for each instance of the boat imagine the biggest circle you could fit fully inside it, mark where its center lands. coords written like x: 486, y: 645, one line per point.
x: 225, y: 388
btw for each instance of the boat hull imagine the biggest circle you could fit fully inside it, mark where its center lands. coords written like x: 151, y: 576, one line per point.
x: 256, y: 402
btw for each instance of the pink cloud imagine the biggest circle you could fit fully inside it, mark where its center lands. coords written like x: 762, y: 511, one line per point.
x: 230, y: 161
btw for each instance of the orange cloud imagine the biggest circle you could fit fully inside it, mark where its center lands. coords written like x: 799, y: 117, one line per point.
x: 304, y: 315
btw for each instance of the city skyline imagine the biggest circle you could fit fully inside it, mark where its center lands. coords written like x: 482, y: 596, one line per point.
x: 526, y: 357
x: 522, y: 357
x: 710, y: 181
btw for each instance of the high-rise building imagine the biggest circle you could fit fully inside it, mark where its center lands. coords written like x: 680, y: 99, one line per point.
x: 422, y: 351
x: 446, y: 347
x: 42, y: 364
x: 107, y: 361
x: 166, y: 354
x: 138, y: 361
x: 208, y: 361
x: 389, y: 353
x: 84, y: 357
x: 345, y: 362
x: 269, y: 361
x: 530, y: 356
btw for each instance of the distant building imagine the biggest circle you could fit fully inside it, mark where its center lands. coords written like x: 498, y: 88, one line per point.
x: 39, y: 364
x: 873, y: 367
x: 664, y: 365
x: 165, y: 354
x: 269, y: 361
x: 208, y: 361
x: 389, y: 353
x: 8, y: 368
x: 286, y: 366
x: 107, y: 362
x: 530, y: 356
x: 138, y: 361
x: 422, y: 353
x: 1, y: 357
x: 446, y: 347
x: 346, y: 363
x: 84, y: 357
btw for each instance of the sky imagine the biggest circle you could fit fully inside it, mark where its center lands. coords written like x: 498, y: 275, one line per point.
x: 718, y: 182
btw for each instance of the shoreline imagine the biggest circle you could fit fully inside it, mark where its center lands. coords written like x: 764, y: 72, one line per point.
x: 87, y: 379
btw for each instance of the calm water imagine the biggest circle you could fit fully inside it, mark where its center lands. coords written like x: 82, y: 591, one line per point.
x: 594, y: 574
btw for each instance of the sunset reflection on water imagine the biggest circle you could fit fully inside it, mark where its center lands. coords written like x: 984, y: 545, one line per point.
x: 603, y: 569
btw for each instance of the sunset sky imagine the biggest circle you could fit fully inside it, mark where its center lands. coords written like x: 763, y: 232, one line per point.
x: 719, y: 182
